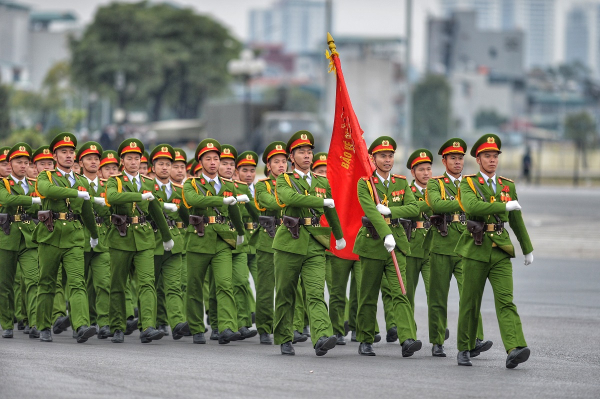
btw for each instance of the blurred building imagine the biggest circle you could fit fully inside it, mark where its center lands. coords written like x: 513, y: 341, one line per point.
x: 14, y: 39
x: 537, y: 18
x: 298, y: 25
x: 582, y: 35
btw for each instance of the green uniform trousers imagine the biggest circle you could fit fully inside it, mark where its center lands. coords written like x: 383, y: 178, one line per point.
x: 184, y: 281
x: 387, y: 297
x: 300, y: 308
x: 475, y: 273
x: 140, y: 266
x: 372, y: 271
x: 130, y: 298
x: 265, y: 291
x: 414, y: 267
x: 50, y: 258
x: 220, y: 264
x: 161, y: 302
x: 339, y: 306
x: 288, y: 269
x: 97, y: 271
x: 167, y: 277
x: 27, y: 260
x: 20, y: 310
x: 60, y: 299
x: 252, y: 267
x: 442, y: 267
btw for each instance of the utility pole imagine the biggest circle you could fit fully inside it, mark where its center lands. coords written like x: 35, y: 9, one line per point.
x: 407, y: 92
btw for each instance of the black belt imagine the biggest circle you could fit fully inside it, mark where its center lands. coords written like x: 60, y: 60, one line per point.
x: 99, y: 220
x: 68, y: 216
x: 22, y: 217
x: 312, y: 221
x: 136, y: 219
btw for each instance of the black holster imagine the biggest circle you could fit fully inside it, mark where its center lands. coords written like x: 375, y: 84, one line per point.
x: 5, y: 220
x: 120, y: 222
x: 370, y: 228
x: 407, y: 225
x: 198, y: 223
x: 293, y: 225
x: 440, y: 223
x: 268, y: 223
x: 47, y: 218
x: 476, y: 230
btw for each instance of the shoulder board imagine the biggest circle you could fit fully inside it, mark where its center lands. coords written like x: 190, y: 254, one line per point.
x: 101, y: 179
x: 77, y: 174
x: 472, y: 176
x: 365, y: 178
x: 240, y: 182
x: 438, y: 177
x: 317, y: 174
x: 116, y: 175
x: 507, y: 179
x: 227, y: 180
x: 31, y: 179
x: 146, y: 177
x: 400, y: 177
x: 177, y: 185
x: 265, y: 179
x: 49, y: 170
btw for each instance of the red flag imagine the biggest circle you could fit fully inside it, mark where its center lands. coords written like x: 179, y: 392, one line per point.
x: 347, y: 161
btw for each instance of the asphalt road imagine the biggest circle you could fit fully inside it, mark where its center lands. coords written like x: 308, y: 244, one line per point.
x: 558, y: 298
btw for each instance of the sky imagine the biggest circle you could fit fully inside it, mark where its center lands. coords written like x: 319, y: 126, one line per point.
x: 350, y: 17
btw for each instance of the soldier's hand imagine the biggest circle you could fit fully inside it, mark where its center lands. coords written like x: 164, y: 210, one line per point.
x: 168, y: 245
x: 384, y: 210
x: 148, y: 197
x: 243, y: 198
x: 389, y: 243
x: 229, y: 200
x: 83, y: 194
x: 329, y: 203
x: 240, y: 240
x: 513, y: 206
x: 36, y: 201
x: 99, y: 201
x: 529, y: 259
x: 340, y: 244
x: 170, y: 207
x: 93, y: 242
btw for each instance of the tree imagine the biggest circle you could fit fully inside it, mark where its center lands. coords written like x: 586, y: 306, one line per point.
x: 153, y: 56
x: 489, y: 117
x: 581, y: 128
x: 431, y: 110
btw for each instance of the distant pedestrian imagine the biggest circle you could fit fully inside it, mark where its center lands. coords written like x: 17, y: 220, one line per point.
x: 527, y: 165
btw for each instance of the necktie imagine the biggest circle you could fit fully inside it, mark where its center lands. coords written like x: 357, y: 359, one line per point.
x: 25, y: 187
x: 212, y: 183
x: 164, y: 188
x: 137, y: 183
x: 71, y: 179
x: 385, y: 183
x: 456, y: 183
x: 491, y: 184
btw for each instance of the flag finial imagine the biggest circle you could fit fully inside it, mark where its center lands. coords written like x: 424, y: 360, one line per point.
x: 331, y: 42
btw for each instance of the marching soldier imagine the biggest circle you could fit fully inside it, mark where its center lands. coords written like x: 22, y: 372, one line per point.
x: 167, y: 264
x: 448, y: 223
x: 97, y: 260
x: 300, y: 247
x: 65, y: 205
x: 4, y: 165
x: 417, y: 262
x: 490, y: 201
x: 131, y: 242
x: 17, y: 212
x: 375, y: 239
x: 144, y: 164
x: 275, y: 157
x: 211, y: 201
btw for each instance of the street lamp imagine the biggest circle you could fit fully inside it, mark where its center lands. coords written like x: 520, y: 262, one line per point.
x: 246, y: 67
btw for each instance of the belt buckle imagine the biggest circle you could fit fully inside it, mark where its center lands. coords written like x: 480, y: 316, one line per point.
x: 135, y: 220
x: 388, y: 220
x: 308, y: 221
x: 455, y: 218
x: 419, y: 224
x: 179, y: 225
x: 491, y: 228
x: 17, y: 218
x: 62, y: 216
x: 212, y: 219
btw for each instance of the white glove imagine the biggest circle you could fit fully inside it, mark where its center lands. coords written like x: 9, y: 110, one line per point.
x: 83, y: 194
x: 168, y: 245
x: 513, y: 206
x: 99, y: 201
x: 170, y: 207
x: 240, y: 240
x: 389, y: 243
x: 340, y: 244
x: 36, y: 201
x: 93, y: 242
x: 229, y: 200
x: 148, y: 197
x: 243, y: 198
x: 384, y: 210
x: 328, y: 202
x: 529, y: 259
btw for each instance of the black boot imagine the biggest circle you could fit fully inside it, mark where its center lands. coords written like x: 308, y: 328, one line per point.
x: 34, y: 333
x: 287, y: 349
x: 464, y: 359
x: 410, y: 346
x: 299, y: 337
x: 150, y: 334
x: 180, y: 330
x: 353, y: 336
x: 199, y: 338
x: 325, y: 344
x: 266, y: 339
x: 228, y: 335
x: 132, y: 325
x: 438, y: 351
x: 306, y: 331
x: 26, y: 330
x: 377, y: 338
x: 118, y: 337
x: 21, y: 325
x: 447, y: 335
x: 392, y: 334
x: 480, y: 346
x: 341, y: 340
x: 245, y: 332
x: 104, y: 332
x: 61, y: 324
x: 163, y: 328
x: 516, y: 356
x: 85, y: 332
x: 46, y: 335
x: 346, y: 328
x: 7, y: 334
x: 214, y: 334
x: 365, y: 349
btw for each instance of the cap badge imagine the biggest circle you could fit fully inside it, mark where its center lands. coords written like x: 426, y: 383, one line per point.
x: 93, y: 147
x: 133, y: 144
x: 423, y: 155
x: 210, y: 145
x: 304, y: 137
x: 491, y: 140
x: 279, y: 147
x: 385, y: 143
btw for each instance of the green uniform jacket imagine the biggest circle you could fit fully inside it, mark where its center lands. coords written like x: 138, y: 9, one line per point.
x: 122, y: 196
x: 55, y: 190
x: 99, y: 211
x: 178, y: 216
x: 297, y: 205
x: 441, y: 196
x: 267, y: 204
x: 402, y: 203
x: 420, y: 240
x: 249, y: 215
x: 202, y: 205
x: 13, y: 201
x: 479, y: 210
